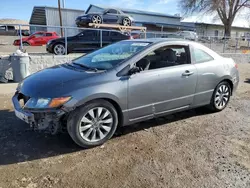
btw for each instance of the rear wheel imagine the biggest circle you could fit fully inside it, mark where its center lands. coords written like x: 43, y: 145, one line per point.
x: 59, y: 49
x: 126, y: 22
x: 26, y: 44
x: 93, y: 124
x: 221, y: 97
x: 96, y: 19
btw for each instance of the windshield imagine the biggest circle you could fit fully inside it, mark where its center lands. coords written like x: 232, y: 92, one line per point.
x: 110, y: 56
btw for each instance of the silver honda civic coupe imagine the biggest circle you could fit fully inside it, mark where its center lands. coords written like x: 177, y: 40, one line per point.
x: 125, y: 83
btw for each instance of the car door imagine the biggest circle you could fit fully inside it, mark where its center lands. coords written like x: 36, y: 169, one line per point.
x: 208, y: 75
x: 110, y: 16
x: 165, y: 87
x: 87, y: 40
x: 37, y: 39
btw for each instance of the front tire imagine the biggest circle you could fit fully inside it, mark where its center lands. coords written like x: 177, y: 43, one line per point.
x: 221, y: 97
x: 93, y: 124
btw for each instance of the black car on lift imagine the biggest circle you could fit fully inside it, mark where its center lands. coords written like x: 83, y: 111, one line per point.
x: 108, y: 16
x: 86, y: 41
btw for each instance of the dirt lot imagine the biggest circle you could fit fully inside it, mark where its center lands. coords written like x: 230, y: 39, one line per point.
x: 188, y: 149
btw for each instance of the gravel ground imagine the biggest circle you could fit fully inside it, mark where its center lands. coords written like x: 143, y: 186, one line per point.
x: 188, y: 149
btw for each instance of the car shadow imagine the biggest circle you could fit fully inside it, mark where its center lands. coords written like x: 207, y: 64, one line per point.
x: 18, y: 143
x: 247, y: 80
x: 161, y: 121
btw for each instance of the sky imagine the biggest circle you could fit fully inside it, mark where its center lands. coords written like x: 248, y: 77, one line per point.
x: 22, y: 9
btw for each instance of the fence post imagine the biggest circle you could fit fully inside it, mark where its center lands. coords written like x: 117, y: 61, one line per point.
x: 210, y: 39
x: 21, y: 40
x: 101, y: 38
x: 236, y: 46
x: 66, y: 41
x: 224, y: 45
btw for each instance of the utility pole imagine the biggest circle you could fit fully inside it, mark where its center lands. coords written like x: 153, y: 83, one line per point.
x: 63, y: 3
x: 60, y: 16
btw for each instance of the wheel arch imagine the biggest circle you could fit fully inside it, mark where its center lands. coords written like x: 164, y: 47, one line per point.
x: 228, y: 79
x: 111, y: 100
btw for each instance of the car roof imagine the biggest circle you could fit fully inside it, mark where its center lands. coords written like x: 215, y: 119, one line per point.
x: 159, y: 40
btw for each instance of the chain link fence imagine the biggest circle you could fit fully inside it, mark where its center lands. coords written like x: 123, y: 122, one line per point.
x: 97, y: 38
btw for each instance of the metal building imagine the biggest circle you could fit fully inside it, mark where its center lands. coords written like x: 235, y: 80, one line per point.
x: 152, y: 20
x: 49, y: 16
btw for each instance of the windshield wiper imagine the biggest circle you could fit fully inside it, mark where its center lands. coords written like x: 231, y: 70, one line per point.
x: 86, y: 67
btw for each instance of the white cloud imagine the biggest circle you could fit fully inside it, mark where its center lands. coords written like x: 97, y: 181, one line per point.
x: 163, y: 2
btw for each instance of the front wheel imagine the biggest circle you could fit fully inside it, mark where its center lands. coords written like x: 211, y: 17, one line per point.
x: 93, y: 124
x: 221, y: 97
x: 59, y: 49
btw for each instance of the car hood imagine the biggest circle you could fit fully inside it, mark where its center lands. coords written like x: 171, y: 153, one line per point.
x: 23, y: 39
x: 54, y: 81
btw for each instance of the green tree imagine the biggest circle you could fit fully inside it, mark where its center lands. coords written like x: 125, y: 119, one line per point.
x: 226, y: 9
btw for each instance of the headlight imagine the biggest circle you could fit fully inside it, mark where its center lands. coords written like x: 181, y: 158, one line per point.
x: 46, y: 102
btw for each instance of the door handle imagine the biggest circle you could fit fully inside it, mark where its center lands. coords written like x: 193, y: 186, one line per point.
x: 187, y: 73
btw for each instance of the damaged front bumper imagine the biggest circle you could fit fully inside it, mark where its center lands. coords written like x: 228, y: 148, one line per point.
x: 44, y: 119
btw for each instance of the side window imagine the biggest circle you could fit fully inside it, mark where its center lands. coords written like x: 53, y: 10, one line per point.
x: 115, y: 34
x: 201, y: 56
x: 166, y: 56
x: 2, y: 27
x: 112, y: 11
x: 105, y: 33
x: 39, y: 35
x: 88, y: 33
x: 48, y: 34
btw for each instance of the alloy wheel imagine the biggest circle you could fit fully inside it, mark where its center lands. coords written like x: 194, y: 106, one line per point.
x: 126, y: 22
x: 96, y: 19
x: 96, y: 124
x: 222, y: 96
x: 59, y: 49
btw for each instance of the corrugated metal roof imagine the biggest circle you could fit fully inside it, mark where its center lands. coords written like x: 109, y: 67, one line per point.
x: 38, y: 15
x: 127, y: 10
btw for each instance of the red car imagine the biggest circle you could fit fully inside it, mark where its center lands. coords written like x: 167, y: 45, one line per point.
x: 37, y: 39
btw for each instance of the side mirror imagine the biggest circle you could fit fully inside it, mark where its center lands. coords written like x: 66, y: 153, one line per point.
x: 134, y: 70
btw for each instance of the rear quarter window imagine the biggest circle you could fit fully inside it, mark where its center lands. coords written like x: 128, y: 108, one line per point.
x: 201, y: 56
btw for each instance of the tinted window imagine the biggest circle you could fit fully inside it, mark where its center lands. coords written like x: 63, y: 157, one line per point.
x: 105, y: 33
x: 200, y: 56
x: 11, y: 27
x: 3, y: 28
x: 110, y: 56
x: 48, y: 34
x: 112, y: 11
x: 88, y: 33
x: 115, y: 34
x: 166, y: 56
x: 38, y: 34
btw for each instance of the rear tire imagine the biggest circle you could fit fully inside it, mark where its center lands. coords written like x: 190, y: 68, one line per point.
x: 93, y: 124
x: 221, y: 97
x: 59, y: 49
x: 96, y: 19
x: 126, y: 22
x: 26, y: 44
